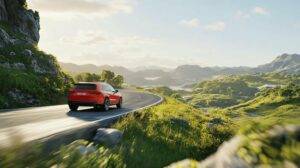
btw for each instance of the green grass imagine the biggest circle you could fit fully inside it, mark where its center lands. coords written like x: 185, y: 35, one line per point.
x: 47, y: 88
x: 272, y: 150
x: 270, y: 107
x: 157, y: 137
x: 212, y: 100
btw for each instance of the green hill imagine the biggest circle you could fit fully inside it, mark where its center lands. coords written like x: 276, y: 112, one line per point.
x: 232, y: 90
x: 270, y: 107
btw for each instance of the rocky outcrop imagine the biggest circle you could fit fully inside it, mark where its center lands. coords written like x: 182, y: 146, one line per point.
x: 3, y: 12
x: 109, y: 137
x: 23, y: 20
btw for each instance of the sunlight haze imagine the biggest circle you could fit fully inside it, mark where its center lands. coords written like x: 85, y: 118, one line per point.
x: 168, y: 33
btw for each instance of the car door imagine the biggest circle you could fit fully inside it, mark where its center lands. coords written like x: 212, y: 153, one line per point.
x: 113, y: 96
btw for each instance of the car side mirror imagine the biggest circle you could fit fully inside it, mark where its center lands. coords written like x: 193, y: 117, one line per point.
x: 116, y: 91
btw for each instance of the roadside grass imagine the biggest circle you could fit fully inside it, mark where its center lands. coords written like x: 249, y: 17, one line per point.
x: 170, y: 132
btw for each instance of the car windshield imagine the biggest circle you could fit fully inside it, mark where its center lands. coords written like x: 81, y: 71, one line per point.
x: 85, y: 86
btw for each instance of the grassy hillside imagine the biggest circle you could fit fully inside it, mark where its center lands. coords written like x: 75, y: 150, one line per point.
x: 29, y: 77
x: 270, y: 107
x: 267, y: 128
x: 223, y: 92
x: 235, y: 89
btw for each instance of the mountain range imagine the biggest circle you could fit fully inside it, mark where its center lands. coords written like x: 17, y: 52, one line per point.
x: 188, y: 74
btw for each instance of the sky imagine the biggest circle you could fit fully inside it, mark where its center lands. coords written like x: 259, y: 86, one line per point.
x: 168, y: 33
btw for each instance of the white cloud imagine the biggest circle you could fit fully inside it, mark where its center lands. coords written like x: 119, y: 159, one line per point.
x: 216, y: 26
x: 98, y: 37
x: 85, y: 38
x: 260, y: 10
x: 242, y: 15
x: 84, y: 7
x: 193, y: 23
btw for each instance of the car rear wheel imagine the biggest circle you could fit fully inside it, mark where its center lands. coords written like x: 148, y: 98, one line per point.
x: 97, y: 107
x: 106, y: 104
x: 73, y: 107
x: 119, y: 105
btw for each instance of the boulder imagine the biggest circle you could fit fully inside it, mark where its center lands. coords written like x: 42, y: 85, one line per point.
x: 12, y: 53
x: 5, y: 65
x: 36, y: 67
x: 109, y: 137
x: 22, y: 98
x: 27, y: 53
x: 86, y: 150
x: 19, y: 66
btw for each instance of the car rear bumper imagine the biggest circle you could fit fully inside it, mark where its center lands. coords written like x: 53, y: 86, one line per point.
x: 83, y: 103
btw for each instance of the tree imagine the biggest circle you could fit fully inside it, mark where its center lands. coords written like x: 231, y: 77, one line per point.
x: 118, y: 81
x: 87, y: 77
x: 107, y: 76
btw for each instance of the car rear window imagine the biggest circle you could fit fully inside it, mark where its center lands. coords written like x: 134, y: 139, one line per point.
x: 85, y: 86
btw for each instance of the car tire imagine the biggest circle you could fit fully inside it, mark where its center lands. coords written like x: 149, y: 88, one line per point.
x: 97, y: 107
x: 119, y: 105
x: 106, y: 104
x: 73, y: 107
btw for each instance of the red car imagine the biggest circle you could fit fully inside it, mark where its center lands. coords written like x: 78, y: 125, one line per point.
x: 99, y: 95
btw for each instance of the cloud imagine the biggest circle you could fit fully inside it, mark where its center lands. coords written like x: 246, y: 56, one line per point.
x: 84, y: 7
x: 85, y: 38
x: 193, y: 23
x: 260, y: 11
x: 216, y: 26
x: 242, y: 15
x: 98, y: 37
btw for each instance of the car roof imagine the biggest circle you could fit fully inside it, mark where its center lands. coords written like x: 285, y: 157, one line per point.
x: 97, y: 83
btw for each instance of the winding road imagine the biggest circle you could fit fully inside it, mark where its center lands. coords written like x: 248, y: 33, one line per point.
x: 35, y: 123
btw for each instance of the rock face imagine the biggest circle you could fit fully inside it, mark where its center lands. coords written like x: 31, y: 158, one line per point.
x: 23, y: 20
x: 109, y: 137
x: 3, y: 12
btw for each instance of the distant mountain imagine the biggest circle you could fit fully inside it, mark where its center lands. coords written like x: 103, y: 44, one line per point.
x: 188, y: 74
x: 286, y: 63
x: 75, y: 69
x: 142, y: 68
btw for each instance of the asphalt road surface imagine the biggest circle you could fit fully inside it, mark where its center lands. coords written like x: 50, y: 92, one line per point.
x: 38, y: 122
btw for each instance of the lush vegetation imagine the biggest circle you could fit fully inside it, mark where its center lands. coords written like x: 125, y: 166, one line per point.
x: 277, y: 147
x: 223, y: 92
x: 270, y: 126
x: 105, y: 76
x: 235, y: 89
x: 174, y: 130
x: 270, y: 107
x: 29, y: 77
